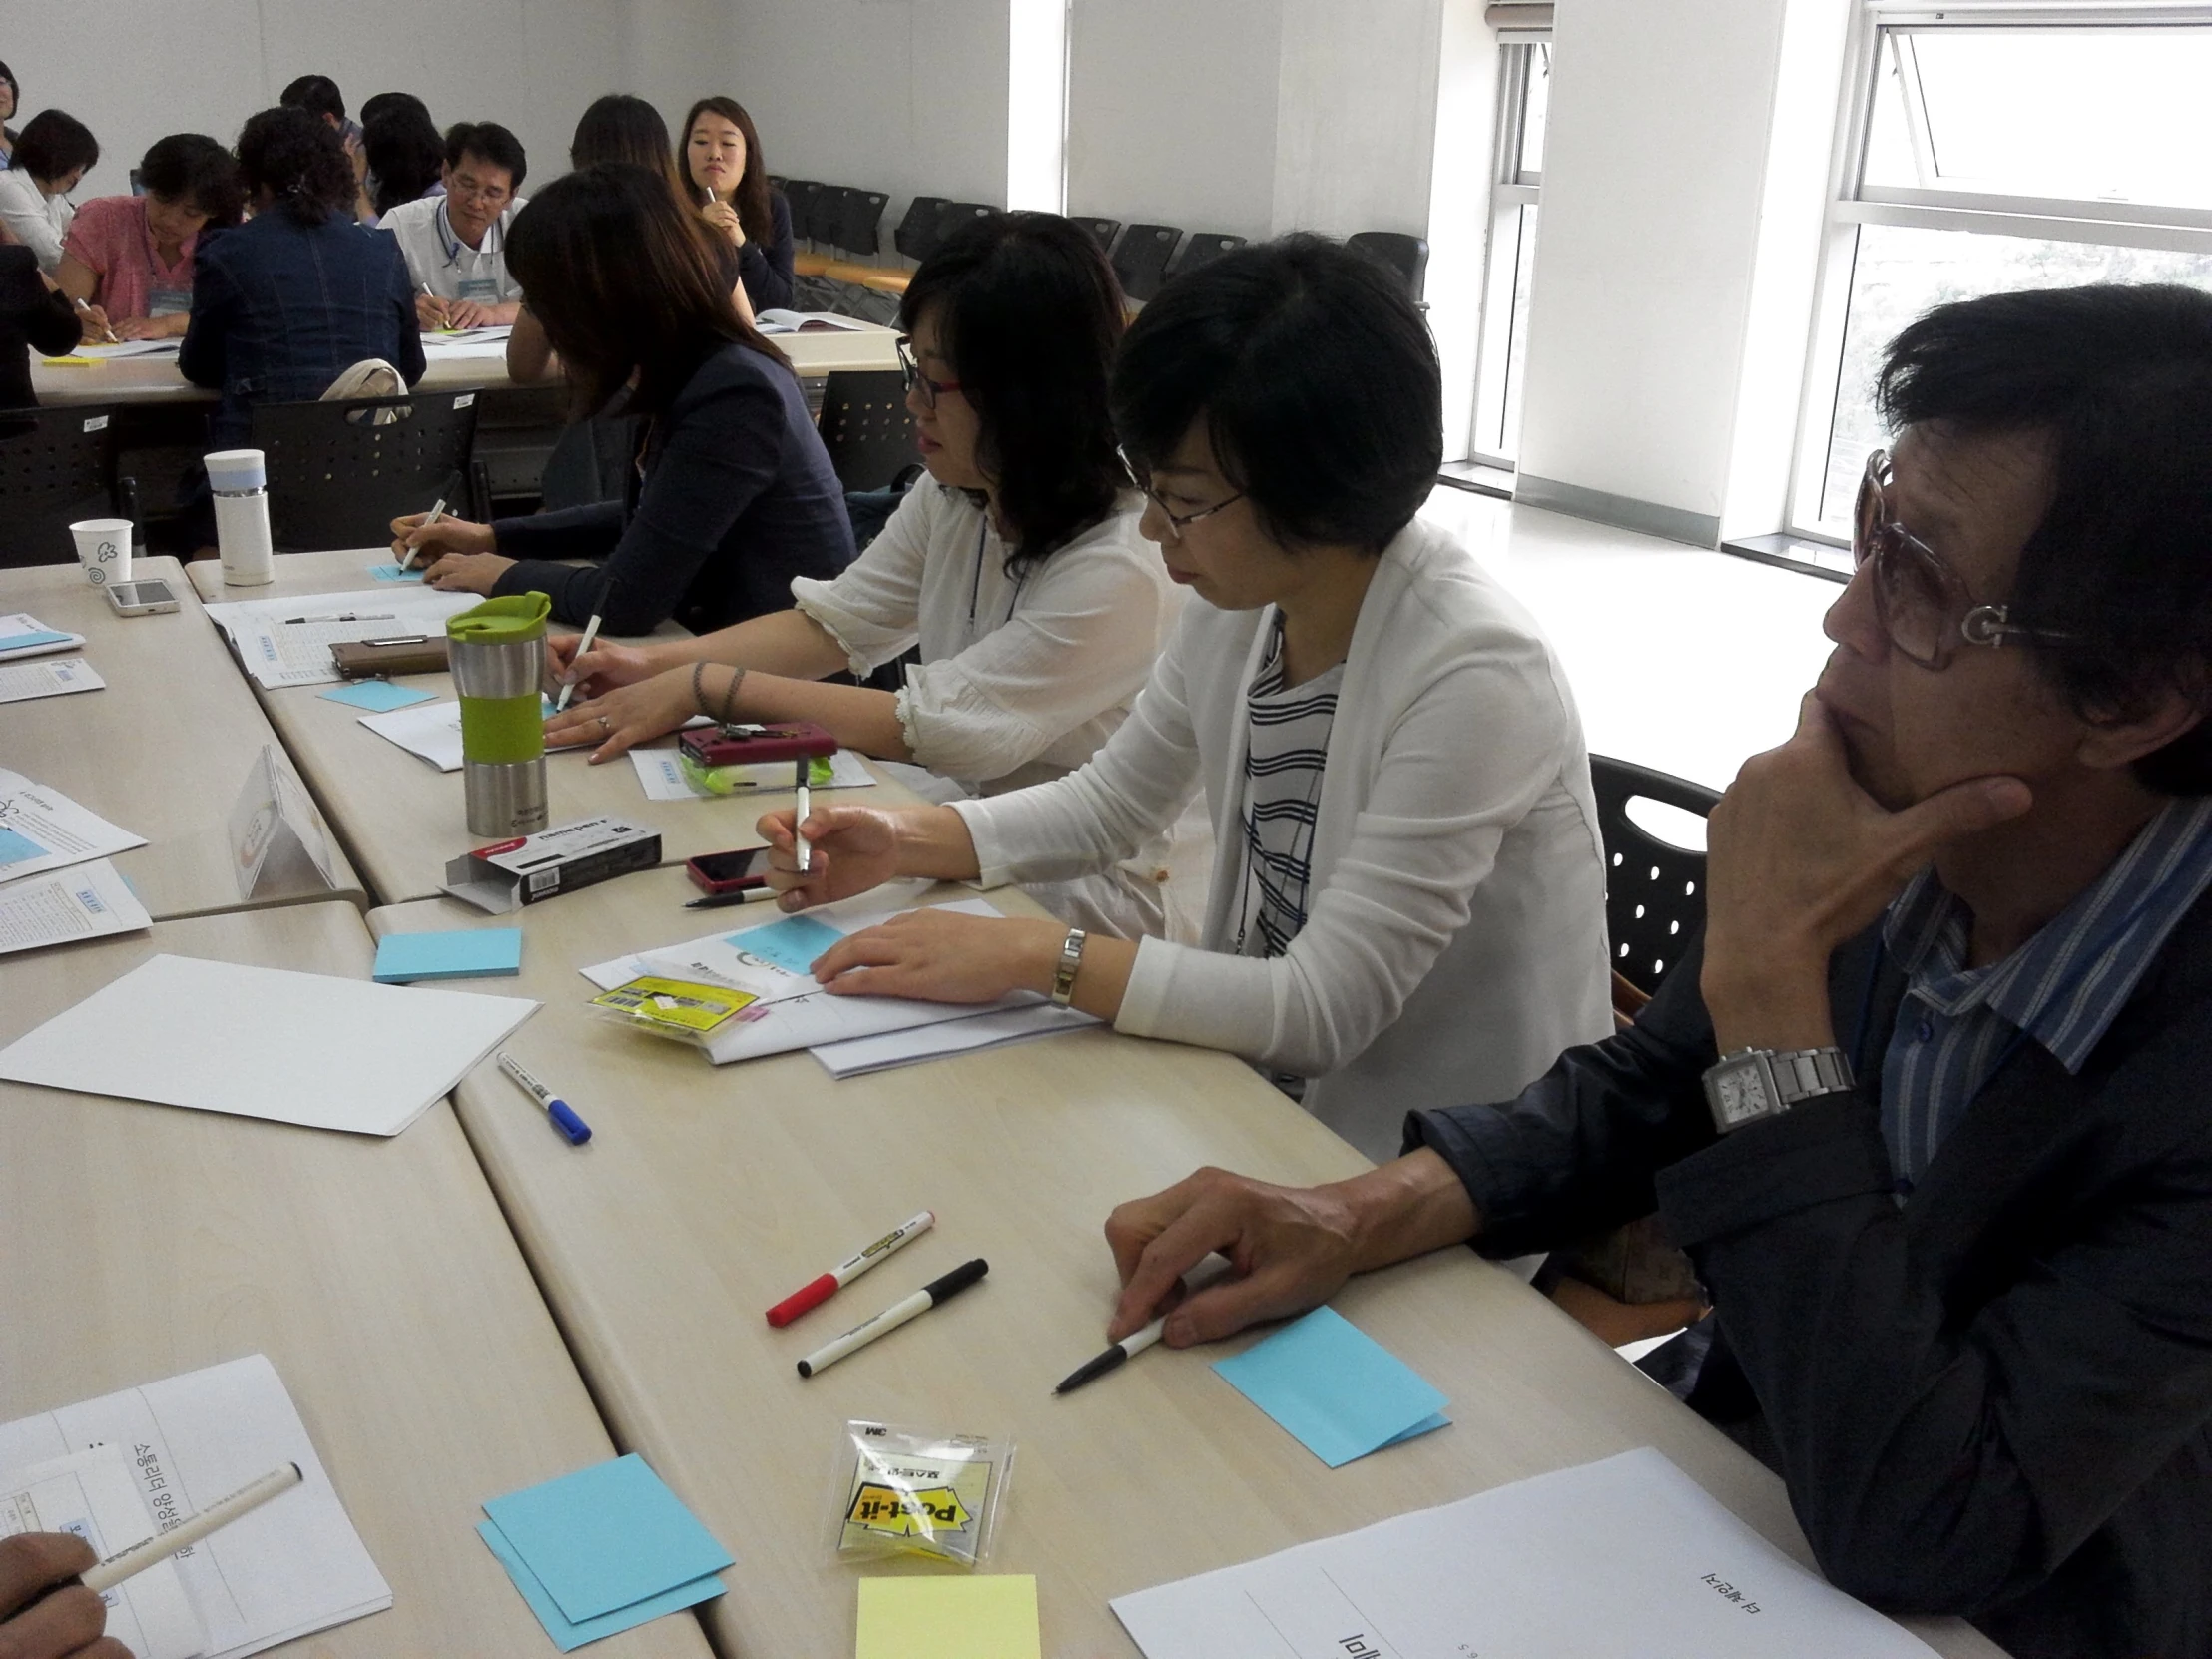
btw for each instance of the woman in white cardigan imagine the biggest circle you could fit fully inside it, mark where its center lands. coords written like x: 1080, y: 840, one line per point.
x: 1017, y: 567
x: 1408, y: 904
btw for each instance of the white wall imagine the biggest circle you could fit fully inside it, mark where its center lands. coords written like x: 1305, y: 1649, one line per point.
x: 133, y: 70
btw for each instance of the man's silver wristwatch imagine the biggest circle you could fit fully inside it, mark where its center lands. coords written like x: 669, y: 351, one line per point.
x: 1755, y: 1083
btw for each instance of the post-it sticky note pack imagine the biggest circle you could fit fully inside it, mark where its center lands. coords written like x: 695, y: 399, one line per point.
x: 462, y: 954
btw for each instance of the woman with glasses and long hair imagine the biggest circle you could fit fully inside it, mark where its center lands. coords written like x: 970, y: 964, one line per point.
x: 1017, y: 568
x: 1408, y: 896
x: 731, y: 497
x: 728, y: 179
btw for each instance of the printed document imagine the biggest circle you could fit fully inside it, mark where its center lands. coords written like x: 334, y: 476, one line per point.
x: 286, y: 642
x: 289, y: 1568
x: 95, y: 1495
x: 43, y: 829
x: 84, y: 902
x: 20, y: 682
x: 1625, y: 1556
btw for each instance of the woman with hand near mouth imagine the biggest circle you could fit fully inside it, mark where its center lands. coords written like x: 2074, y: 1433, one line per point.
x: 728, y: 181
x: 1017, y: 567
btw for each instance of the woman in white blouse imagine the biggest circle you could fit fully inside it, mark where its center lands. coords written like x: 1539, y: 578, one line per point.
x: 1408, y: 904
x: 55, y: 150
x: 1016, y: 567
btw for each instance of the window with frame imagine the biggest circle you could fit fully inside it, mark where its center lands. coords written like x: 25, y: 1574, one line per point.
x: 1524, y: 99
x: 1991, y: 148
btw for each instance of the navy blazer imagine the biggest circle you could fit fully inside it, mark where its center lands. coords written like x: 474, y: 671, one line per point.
x: 1993, y: 1399
x: 736, y: 497
x: 280, y: 309
x: 766, y: 271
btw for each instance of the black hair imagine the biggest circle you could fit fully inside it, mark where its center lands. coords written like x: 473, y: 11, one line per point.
x: 626, y: 280
x: 385, y: 103
x: 2120, y: 379
x: 1029, y: 313
x: 54, y: 144
x: 490, y: 142
x: 191, y: 167
x: 404, y: 153
x: 621, y: 128
x: 1316, y: 377
x: 15, y: 87
x: 291, y: 154
x: 754, y: 197
x: 318, y: 95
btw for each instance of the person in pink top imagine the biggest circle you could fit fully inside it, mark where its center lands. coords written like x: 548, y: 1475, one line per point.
x: 129, y: 257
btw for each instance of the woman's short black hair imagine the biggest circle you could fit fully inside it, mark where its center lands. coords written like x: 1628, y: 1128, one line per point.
x: 193, y: 167
x: 1029, y: 313
x: 404, y: 153
x: 2120, y: 379
x: 318, y: 95
x: 488, y: 141
x: 385, y: 103
x: 15, y: 89
x: 627, y: 281
x: 54, y: 144
x: 1316, y: 380
x: 297, y: 158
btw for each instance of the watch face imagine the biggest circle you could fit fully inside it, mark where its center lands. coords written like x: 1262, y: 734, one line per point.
x: 1741, y: 1094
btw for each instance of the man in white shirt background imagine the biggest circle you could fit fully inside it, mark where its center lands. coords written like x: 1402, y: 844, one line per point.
x: 456, y: 244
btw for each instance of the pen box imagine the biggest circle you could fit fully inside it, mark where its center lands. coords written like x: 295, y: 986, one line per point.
x: 509, y: 875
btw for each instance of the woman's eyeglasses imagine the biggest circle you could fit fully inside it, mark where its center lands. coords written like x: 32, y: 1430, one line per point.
x: 1176, y: 521
x: 1923, y: 605
x: 932, y: 390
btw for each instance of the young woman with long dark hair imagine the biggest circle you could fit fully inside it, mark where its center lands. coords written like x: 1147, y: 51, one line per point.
x: 728, y: 177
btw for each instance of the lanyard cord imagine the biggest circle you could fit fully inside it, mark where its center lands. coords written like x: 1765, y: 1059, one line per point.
x: 975, y: 583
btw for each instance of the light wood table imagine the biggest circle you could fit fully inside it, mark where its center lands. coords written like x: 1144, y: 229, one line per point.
x: 709, y: 1194
x: 868, y: 345
x: 165, y: 751
x: 377, y: 1274
x: 401, y: 818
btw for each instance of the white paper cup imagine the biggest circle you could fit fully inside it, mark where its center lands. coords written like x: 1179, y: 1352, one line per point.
x: 104, y: 549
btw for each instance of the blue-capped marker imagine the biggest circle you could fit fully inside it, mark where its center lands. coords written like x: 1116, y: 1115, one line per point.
x: 563, y: 1115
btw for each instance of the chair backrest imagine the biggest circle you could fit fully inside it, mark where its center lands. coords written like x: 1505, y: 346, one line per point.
x: 859, y: 219
x: 865, y: 427
x: 1141, y: 257
x: 916, y: 235
x: 1102, y: 230
x: 339, y: 473
x: 805, y: 197
x: 1408, y: 256
x: 1204, y: 247
x: 56, y: 467
x: 1654, y: 892
x: 953, y: 214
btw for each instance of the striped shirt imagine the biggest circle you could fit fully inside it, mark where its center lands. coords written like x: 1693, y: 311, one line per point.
x: 1287, y: 750
x: 1959, y: 1026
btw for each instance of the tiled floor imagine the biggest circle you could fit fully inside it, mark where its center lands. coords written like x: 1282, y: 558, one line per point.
x: 1681, y: 659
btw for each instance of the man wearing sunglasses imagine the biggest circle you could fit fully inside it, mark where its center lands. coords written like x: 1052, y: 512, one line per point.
x: 1932, y: 1109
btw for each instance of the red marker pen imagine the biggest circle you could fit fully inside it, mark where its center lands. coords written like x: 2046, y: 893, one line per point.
x: 822, y: 1290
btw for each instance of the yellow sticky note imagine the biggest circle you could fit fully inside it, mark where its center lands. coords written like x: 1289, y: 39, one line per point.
x: 70, y: 362
x: 993, y: 1616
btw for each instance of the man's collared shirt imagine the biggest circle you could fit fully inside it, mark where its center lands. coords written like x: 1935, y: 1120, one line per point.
x: 453, y: 269
x: 2063, y: 987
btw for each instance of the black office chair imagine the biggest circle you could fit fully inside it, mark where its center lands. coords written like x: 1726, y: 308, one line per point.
x: 1395, y: 250
x: 860, y: 226
x: 56, y: 467
x: 954, y: 215
x: 339, y: 473
x: 1654, y: 892
x: 865, y: 427
x: 804, y: 194
x: 916, y: 235
x: 1203, y: 247
x: 1141, y: 259
x: 1102, y: 230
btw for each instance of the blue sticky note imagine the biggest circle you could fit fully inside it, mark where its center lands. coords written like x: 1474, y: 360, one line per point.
x: 24, y: 642
x: 606, y: 1537
x: 378, y: 696
x: 464, y: 953
x: 791, y: 944
x: 393, y: 573
x: 16, y: 846
x: 569, y: 1635
x: 1342, y: 1392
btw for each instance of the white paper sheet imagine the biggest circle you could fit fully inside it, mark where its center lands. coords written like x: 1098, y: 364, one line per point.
x: 279, y: 651
x: 267, y: 1043
x: 1625, y: 1556
x: 85, y: 901
x: 15, y: 624
x: 859, y: 1056
x: 431, y: 729
x: 129, y: 348
x: 294, y: 1566
x: 20, y: 682
x: 808, y: 322
x: 662, y: 777
x: 95, y: 1495
x: 43, y: 829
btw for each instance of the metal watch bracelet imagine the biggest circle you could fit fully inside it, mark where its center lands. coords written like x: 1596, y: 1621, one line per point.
x: 1071, y: 961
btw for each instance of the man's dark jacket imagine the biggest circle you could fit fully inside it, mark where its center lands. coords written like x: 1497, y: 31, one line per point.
x: 1995, y: 1401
